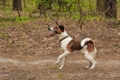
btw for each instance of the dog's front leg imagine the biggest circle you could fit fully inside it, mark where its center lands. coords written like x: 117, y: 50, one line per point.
x: 62, y: 56
x: 63, y: 61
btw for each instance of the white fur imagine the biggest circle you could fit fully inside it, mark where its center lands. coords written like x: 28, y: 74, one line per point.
x: 88, y: 56
x: 84, y: 41
x: 63, y: 46
x: 63, y: 34
x: 51, y: 28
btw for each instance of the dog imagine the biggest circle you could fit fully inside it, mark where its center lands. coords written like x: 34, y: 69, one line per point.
x: 68, y: 44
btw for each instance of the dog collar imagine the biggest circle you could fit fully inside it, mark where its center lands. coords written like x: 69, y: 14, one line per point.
x: 63, y: 38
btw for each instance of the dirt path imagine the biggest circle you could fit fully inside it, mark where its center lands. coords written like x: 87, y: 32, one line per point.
x: 11, y: 69
x: 49, y: 61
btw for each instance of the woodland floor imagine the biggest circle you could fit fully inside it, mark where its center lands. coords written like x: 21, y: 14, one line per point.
x: 28, y: 53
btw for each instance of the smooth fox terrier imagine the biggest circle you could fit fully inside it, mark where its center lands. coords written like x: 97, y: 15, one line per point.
x: 68, y: 44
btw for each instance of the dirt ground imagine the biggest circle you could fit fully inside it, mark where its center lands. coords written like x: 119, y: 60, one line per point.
x: 28, y: 53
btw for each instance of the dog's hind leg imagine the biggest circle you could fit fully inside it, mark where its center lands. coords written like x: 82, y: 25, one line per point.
x: 62, y: 56
x: 90, y: 57
x: 91, y: 60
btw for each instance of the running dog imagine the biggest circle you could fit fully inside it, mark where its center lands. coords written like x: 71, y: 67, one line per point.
x: 68, y: 44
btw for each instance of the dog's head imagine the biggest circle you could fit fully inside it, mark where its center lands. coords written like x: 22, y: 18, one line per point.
x: 56, y: 30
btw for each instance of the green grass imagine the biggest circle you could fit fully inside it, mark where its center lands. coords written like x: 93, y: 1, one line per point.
x: 60, y: 76
x: 31, y: 5
x: 4, y: 36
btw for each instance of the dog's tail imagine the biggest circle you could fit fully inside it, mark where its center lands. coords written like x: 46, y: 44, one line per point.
x: 88, y: 45
x: 83, y: 42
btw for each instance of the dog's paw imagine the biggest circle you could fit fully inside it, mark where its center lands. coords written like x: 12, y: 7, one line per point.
x: 92, y: 67
x: 57, y: 63
x: 87, y: 67
x: 60, y: 67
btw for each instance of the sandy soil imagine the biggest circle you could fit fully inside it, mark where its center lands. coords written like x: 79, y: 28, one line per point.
x: 28, y: 53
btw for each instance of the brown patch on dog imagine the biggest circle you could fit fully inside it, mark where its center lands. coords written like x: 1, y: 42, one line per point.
x: 90, y: 46
x: 58, y: 30
x: 74, y: 45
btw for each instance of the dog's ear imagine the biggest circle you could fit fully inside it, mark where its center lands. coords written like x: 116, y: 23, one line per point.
x: 61, y: 28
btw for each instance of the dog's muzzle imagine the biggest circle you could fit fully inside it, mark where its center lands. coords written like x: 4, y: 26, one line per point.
x: 52, y: 32
x: 50, y: 29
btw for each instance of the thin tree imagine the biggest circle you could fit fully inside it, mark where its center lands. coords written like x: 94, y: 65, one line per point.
x: 111, y: 7
x: 100, y: 5
x: 17, y: 6
x: 107, y: 7
x: 24, y: 3
x: 81, y: 15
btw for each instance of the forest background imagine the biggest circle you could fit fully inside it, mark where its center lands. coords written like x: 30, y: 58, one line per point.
x: 17, y: 10
x: 27, y: 52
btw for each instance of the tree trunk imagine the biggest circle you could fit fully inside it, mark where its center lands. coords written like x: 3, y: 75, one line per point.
x: 111, y: 7
x: 17, y: 5
x: 24, y: 3
x: 4, y: 3
x: 81, y: 15
x: 100, y: 5
x: 107, y: 7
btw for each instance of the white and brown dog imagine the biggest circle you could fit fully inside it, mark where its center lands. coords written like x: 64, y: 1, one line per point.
x: 68, y: 44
